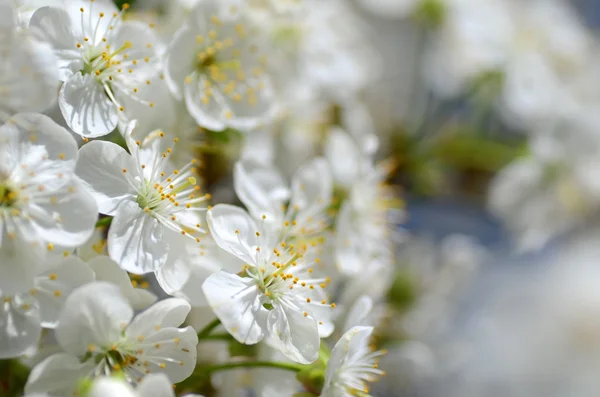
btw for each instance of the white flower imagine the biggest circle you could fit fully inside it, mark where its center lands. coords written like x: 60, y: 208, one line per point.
x: 99, y: 334
x: 554, y: 189
x: 276, y: 295
x: 42, y: 203
x: 23, y: 315
x: 28, y: 69
x: 266, y: 195
x: 101, y: 58
x: 152, y: 203
x: 216, y: 64
x: 352, y: 365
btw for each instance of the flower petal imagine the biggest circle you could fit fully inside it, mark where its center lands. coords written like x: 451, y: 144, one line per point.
x: 293, y: 334
x: 262, y: 190
x: 180, y: 58
x: 54, y: 286
x: 170, y: 350
x: 58, y: 375
x: 101, y: 165
x: 53, y: 26
x: 155, y: 385
x: 236, y: 303
x: 166, y: 313
x: 94, y: 314
x: 135, y: 240
x: 19, y: 326
x: 344, y: 157
x: 19, y: 264
x: 208, y: 111
x: 107, y: 270
x: 85, y: 106
x: 234, y: 231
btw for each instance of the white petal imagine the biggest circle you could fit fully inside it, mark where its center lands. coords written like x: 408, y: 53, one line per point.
x: 173, y: 347
x: 180, y: 59
x: 58, y: 375
x: 93, y: 314
x: 359, y: 312
x: 293, y: 334
x: 156, y: 385
x: 312, y: 187
x: 53, y: 26
x: 19, y: 326
x: 135, y: 240
x: 236, y: 303
x: 234, y: 231
x: 112, y: 387
x: 19, y: 264
x: 344, y: 157
x: 25, y: 128
x: 176, y: 271
x: 262, y: 190
x: 85, y: 106
x: 54, y: 286
x: 166, y: 313
x: 210, y: 115
x: 28, y: 80
x: 107, y: 270
x: 77, y: 213
x: 101, y: 165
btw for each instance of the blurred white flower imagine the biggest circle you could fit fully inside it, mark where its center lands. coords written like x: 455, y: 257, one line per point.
x: 152, y: 203
x: 43, y: 206
x: 352, y: 364
x: 101, y: 58
x: 28, y: 71
x: 554, y: 188
x: 277, y: 297
x: 99, y: 335
x: 217, y: 64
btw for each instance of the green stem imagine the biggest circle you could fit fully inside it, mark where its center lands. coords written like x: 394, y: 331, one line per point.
x: 254, y: 364
x: 204, y: 332
x: 103, y: 222
x: 223, y: 336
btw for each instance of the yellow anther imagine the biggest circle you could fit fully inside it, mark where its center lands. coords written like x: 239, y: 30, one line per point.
x: 50, y: 246
x: 52, y: 276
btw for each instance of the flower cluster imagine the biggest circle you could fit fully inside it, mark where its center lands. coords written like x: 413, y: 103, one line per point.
x: 263, y: 197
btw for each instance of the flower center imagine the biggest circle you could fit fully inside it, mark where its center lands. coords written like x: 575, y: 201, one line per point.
x: 8, y: 195
x: 97, y: 62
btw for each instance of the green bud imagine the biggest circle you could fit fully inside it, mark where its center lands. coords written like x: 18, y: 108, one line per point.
x: 431, y: 13
x: 404, y: 291
x: 84, y: 386
x: 312, y: 378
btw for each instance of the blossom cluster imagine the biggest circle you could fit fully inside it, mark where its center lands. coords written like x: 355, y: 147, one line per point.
x: 236, y: 197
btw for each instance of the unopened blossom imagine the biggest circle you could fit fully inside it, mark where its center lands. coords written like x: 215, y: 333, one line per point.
x: 101, y: 59
x: 43, y: 205
x: 295, y: 212
x: 277, y: 297
x: 352, y: 365
x: 28, y: 70
x: 217, y: 65
x: 153, y: 203
x: 99, y: 334
x: 22, y: 315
